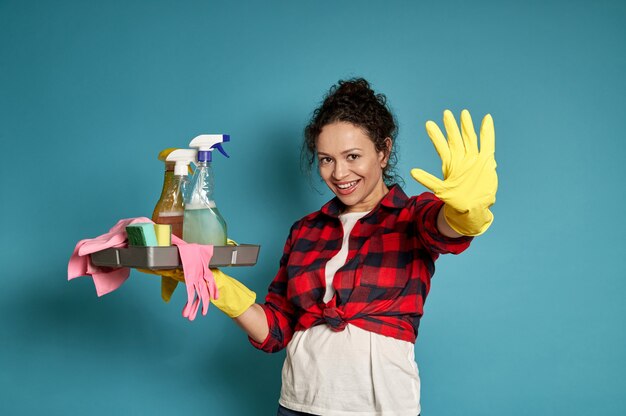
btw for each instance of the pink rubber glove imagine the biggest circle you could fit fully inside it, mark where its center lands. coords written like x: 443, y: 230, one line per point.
x: 198, y: 278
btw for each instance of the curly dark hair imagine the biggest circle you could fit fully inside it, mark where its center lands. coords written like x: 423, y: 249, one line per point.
x: 355, y: 102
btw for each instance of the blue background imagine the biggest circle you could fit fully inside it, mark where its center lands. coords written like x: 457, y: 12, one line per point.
x: 529, y: 321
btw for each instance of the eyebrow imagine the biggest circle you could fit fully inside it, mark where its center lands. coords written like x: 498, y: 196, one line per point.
x: 343, y: 153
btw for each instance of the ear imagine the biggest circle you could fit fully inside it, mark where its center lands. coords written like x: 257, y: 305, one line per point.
x: 383, y: 155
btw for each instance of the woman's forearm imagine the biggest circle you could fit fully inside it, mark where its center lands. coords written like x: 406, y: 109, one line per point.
x: 254, y: 322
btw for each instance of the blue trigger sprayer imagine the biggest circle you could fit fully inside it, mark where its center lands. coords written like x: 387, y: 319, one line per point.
x: 203, y: 223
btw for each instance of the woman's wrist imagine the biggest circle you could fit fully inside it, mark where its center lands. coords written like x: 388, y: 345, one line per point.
x: 254, y: 322
x: 443, y: 226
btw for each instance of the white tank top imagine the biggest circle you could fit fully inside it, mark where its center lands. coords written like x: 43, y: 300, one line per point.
x: 353, y: 372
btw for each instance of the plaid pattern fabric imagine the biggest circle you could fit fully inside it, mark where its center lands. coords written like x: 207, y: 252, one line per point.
x: 384, y: 282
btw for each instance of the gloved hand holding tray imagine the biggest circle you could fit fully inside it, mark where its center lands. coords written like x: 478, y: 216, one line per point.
x: 158, y: 258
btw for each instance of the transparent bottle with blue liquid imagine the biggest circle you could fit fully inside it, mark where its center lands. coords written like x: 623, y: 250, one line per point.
x: 203, y: 223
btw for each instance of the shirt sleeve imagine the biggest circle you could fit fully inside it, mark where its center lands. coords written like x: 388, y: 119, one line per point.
x: 279, y: 311
x: 427, y: 207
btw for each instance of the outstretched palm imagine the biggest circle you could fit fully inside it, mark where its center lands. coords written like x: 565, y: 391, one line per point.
x: 470, y: 181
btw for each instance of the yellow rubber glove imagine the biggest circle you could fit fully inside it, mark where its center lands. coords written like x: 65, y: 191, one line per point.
x: 470, y: 181
x: 175, y: 274
x: 168, y: 286
x: 234, y: 298
x: 169, y: 280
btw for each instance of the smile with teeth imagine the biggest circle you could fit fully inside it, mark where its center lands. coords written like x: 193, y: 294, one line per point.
x: 346, y: 187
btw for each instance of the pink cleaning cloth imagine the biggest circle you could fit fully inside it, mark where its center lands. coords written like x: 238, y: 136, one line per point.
x: 195, y: 258
x: 106, y: 280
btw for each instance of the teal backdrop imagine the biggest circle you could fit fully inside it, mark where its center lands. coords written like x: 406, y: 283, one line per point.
x: 528, y: 321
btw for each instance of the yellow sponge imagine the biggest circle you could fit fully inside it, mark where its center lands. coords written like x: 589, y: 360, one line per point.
x: 163, y: 234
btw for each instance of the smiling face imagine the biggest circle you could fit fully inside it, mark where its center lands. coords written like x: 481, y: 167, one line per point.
x: 351, y: 166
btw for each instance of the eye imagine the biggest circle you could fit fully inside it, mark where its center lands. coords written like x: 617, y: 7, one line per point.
x: 353, y: 156
x: 324, y: 160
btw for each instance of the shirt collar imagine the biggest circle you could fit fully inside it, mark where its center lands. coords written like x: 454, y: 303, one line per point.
x: 395, y: 198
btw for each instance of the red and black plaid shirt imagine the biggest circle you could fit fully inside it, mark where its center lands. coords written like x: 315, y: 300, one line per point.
x: 384, y: 282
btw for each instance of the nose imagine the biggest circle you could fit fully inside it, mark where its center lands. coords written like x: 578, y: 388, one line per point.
x: 340, y: 170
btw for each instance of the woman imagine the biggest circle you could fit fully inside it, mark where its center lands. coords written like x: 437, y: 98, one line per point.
x: 349, y: 294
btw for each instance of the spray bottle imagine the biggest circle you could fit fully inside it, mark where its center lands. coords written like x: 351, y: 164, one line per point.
x: 182, y: 159
x: 162, y: 203
x: 169, y: 209
x: 203, y: 223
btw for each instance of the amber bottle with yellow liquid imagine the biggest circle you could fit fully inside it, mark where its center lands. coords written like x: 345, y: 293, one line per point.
x: 170, y: 207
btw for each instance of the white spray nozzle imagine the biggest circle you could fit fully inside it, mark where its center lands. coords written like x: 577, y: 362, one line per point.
x: 205, y: 143
x: 182, y: 157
